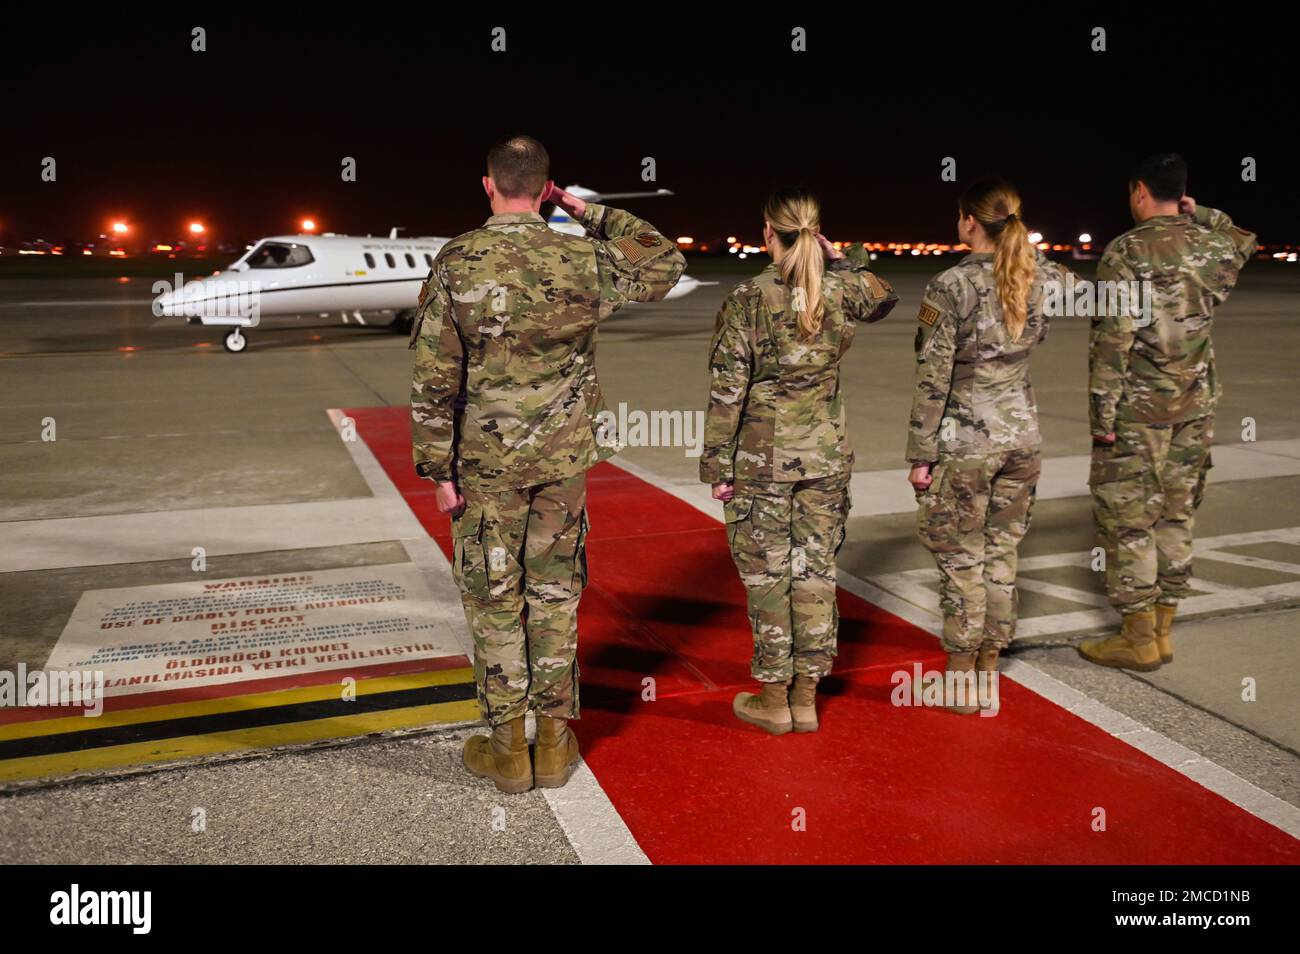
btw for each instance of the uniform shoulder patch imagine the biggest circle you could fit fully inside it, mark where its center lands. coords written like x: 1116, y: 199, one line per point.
x: 929, y: 314
x: 879, y: 287
x: 637, y: 249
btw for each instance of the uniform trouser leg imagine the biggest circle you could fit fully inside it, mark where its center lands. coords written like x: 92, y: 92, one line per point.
x: 1182, y: 478
x: 784, y: 537
x: 1128, y: 501
x: 517, y: 554
x: 951, y: 516
x: 819, y: 511
x: 1011, y: 498
x: 758, y: 532
x: 555, y: 572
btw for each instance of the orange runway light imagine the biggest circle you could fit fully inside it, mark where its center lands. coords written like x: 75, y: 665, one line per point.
x: 196, y: 228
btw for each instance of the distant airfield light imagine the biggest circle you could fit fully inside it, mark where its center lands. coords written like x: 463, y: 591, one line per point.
x: 731, y: 238
x: 120, y: 228
x: 1035, y: 238
x: 196, y: 228
x: 1085, y: 238
x: 85, y: 251
x: 309, y: 225
x: 685, y: 240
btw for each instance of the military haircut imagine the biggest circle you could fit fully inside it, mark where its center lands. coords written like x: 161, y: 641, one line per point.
x: 1164, y: 174
x: 519, y: 166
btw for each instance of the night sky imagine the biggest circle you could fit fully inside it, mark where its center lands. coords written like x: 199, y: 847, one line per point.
x: 248, y: 136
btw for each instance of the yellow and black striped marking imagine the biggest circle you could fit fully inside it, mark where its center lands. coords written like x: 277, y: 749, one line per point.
x: 127, y: 738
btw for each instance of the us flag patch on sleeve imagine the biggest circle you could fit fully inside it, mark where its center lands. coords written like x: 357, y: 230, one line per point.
x: 929, y: 314
x: 637, y: 249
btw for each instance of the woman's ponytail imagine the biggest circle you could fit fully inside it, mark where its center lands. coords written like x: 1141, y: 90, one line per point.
x: 995, y: 204
x: 795, y: 216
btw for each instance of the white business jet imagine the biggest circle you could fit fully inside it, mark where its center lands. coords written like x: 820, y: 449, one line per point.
x: 327, y: 274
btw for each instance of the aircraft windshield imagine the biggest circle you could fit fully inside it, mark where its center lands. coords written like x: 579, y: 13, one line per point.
x: 279, y: 255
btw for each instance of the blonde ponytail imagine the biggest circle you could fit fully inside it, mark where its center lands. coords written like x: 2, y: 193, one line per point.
x: 1013, y: 270
x: 795, y: 216
x: 995, y: 204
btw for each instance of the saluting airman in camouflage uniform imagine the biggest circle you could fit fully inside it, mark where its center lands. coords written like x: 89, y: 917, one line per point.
x: 504, y: 410
x: 974, y: 421
x: 1153, y: 390
x: 775, y: 433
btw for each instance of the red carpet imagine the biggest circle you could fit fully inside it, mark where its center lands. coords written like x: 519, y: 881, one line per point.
x: 877, y: 784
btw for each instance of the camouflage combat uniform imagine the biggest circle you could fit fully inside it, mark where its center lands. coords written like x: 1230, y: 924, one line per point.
x: 975, y: 418
x: 505, y: 402
x: 775, y: 429
x: 1153, y: 384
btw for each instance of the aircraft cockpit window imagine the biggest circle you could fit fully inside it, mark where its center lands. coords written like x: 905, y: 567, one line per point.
x: 410, y: 260
x: 370, y: 260
x: 279, y: 255
x: 389, y: 259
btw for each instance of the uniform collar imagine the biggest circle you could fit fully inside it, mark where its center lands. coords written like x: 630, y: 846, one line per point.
x: 977, y: 257
x: 516, y: 218
x: 1162, y: 219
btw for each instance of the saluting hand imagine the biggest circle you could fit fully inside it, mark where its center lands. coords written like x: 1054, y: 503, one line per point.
x: 831, y: 251
x: 569, y: 203
x: 1187, y: 205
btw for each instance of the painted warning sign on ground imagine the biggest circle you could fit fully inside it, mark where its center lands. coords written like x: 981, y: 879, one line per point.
x: 173, y: 635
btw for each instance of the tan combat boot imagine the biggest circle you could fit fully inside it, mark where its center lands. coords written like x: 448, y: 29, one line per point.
x: 986, y: 667
x: 803, y: 704
x: 556, y: 753
x: 769, y: 709
x: 501, y: 756
x: 1165, y: 631
x: 1133, y: 647
x: 966, y: 691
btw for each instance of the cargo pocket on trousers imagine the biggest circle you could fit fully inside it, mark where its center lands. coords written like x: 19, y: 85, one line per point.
x: 1117, y: 483
x: 842, y: 531
x: 469, y: 563
x: 1199, y: 494
x: 740, y: 535
x: 580, y: 554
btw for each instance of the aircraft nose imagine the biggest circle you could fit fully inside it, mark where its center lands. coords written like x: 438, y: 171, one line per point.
x: 165, y: 305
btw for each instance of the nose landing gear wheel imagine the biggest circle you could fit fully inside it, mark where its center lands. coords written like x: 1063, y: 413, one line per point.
x: 235, y: 342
